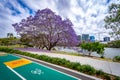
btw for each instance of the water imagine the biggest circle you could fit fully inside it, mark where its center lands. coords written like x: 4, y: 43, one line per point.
x: 112, y: 52
x: 108, y: 52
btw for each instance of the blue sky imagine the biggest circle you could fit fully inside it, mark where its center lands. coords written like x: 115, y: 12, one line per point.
x: 86, y: 15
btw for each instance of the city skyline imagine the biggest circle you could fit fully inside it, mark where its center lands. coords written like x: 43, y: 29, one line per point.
x: 92, y: 38
x: 86, y: 16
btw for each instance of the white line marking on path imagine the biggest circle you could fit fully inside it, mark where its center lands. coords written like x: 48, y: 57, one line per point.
x: 48, y: 67
x: 56, y: 70
x: 17, y: 73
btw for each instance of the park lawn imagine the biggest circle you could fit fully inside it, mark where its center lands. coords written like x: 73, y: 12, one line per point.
x: 13, y: 46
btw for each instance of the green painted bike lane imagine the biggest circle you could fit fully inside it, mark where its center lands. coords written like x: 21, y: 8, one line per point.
x: 32, y: 71
x: 5, y: 73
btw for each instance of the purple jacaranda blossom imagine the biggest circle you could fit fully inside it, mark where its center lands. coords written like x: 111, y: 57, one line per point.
x: 46, y: 29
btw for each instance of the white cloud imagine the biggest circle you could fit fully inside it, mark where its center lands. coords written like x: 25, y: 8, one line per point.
x: 7, y: 19
x: 86, y: 15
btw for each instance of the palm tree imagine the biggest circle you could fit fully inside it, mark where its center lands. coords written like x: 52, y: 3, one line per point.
x: 9, y: 35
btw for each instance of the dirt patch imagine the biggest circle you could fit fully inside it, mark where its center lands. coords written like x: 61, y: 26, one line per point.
x: 2, y: 53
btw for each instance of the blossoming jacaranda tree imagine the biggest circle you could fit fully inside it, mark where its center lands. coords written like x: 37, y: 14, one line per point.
x: 46, y: 29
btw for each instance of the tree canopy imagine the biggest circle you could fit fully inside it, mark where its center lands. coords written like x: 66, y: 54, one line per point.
x: 112, y: 20
x: 9, y: 41
x: 93, y: 47
x: 46, y: 29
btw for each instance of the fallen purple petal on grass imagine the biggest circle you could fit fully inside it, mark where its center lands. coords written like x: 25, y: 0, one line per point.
x: 32, y: 49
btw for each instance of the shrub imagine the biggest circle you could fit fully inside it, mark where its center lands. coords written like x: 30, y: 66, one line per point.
x: 5, y: 49
x: 79, y: 67
x: 75, y: 65
x: 107, y: 77
x: 88, y: 69
x: 71, y: 65
x: 53, y: 49
x: 99, y: 72
x: 117, y: 78
x: 36, y: 56
x: 63, y: 62
x: 116, y: 58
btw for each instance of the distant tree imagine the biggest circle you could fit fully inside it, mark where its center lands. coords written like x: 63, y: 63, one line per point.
x: 0, y: 42
x: 100, y: 50
x: 112, y: 21
x: 9, y: 41
x: 93, y: 47
x: 46, y: 29
x: 87, y: 46
x: 5, y: 41
x: 114, y: 44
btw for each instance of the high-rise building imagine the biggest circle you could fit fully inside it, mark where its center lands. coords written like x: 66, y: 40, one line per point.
x: 106, y: 39
x: 85, y: 37
x: 79, y: 37
x: 92, y: 38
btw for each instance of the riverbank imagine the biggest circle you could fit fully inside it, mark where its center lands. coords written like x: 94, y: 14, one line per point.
x: 108, y: 52
x: 81, y: 54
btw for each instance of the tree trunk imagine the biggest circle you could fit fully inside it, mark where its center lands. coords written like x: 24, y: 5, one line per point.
x: 102, y: 55
x: 52, y: 45
x: 50, y: 48
x: 42, y: 47
x: 90, y: 53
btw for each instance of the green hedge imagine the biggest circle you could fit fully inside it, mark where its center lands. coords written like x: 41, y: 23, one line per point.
x: 63, y: 62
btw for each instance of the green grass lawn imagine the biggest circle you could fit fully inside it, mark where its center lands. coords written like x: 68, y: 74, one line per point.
x: 13, y: 46
x: 67, y: 53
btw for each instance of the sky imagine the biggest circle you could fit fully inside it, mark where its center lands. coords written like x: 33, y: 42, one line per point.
x: 87, y: 16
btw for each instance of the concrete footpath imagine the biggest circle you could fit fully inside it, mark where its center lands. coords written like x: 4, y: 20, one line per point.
x: 106, y: 66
